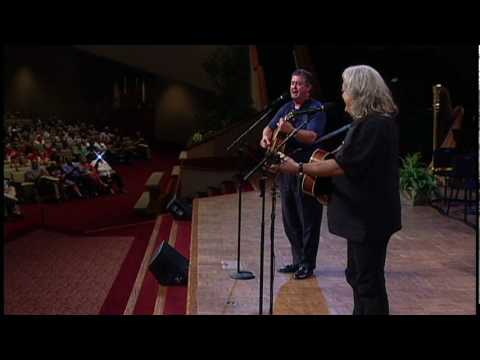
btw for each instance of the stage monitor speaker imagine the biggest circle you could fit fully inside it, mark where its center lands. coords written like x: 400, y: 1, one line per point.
x: 180, y: 209
x: 169, y: 266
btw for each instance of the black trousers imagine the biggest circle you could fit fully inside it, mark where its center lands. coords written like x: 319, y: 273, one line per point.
x: 302, y: 217
x: 365, y: 274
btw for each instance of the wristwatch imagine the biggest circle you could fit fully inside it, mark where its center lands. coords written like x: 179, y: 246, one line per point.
x: 300, y: 169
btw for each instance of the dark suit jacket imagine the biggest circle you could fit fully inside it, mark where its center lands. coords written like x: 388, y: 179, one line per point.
x: 365, y: 203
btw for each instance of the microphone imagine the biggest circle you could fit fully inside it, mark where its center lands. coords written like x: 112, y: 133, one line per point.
x: 281, y: 98
x: 324, y: 107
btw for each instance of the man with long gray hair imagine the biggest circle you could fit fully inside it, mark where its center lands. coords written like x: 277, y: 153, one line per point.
x: 364, y: 206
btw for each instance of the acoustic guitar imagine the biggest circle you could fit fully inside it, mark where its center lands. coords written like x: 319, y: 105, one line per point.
x: 277, y: 144
x: 319, y: 187
x: 279, y: 136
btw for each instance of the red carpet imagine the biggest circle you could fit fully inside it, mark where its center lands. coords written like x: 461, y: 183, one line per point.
x: 49, y: 273
x: 176, y: 300
x: 148, y: 294
x: 119, y: 293
x: 32, y: 219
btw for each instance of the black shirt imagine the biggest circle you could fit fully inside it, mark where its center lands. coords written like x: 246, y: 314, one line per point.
x: 365, y: 202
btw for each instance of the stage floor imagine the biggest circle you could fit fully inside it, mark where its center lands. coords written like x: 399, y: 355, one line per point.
x: 430, y: 270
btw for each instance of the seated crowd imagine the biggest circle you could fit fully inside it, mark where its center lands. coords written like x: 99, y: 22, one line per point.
x: 53, y: 160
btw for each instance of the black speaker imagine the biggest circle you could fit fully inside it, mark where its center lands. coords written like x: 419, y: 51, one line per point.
x: 180, y: 209
x: 169, y: 266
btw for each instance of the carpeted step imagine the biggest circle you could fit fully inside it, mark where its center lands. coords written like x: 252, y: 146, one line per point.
x: 169, y: 191
x: 183, y: 156
x: 141, y: 206
x: 172, y: 300
x: 214, y: 191
x: 176, y: 170
x: 176, y: 296
x: 247, y: 187
x: 201, y: 194
x: 228, y: 187
x: 155, y: 184
x: 155, y: 180
x: 118, y: 296
x: 147, y: 297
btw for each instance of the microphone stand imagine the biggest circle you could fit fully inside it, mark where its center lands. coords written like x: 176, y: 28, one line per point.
x: 332, y: 134
x: 269, y: 157
x: 272, y: 237
x: 245, y: 274
x: 253, y: 126
x: 262, y: 241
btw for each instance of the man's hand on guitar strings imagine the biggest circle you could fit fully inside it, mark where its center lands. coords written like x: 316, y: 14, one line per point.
x: 287, y: 165
x: 272, y: 158
x: 285, y: 126
x: 265, y: 142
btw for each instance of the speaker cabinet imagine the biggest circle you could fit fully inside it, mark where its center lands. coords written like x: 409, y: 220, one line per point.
x: 169, y: 266
x: 180, y: 209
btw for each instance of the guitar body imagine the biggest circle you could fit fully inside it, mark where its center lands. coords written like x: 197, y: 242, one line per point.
x: 318, y: 187
x: 278, y: 138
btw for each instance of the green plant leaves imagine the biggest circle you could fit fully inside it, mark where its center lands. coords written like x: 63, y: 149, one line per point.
x: 416, y: 178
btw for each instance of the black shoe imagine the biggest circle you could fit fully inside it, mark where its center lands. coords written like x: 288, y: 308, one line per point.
x: 303, y: 272
x: 289, y: 269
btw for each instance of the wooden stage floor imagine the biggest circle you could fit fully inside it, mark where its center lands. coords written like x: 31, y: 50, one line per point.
x: 431, y: 264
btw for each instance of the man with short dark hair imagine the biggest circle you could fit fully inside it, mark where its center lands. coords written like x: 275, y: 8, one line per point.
x: 302, y: 214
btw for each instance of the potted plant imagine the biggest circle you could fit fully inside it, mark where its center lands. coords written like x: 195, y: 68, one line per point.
x: 417, y: 182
